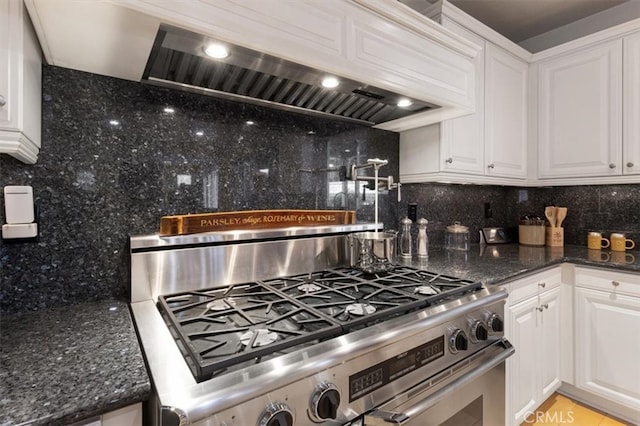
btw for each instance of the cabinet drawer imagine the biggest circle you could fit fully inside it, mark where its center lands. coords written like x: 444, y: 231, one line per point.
x: 534, y: 284
x: 601, y: 279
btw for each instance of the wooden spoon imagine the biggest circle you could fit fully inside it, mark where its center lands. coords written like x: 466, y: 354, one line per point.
x: 562, y: 214
x: 550, y: 214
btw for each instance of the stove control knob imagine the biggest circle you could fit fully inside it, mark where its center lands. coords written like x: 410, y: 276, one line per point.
x: 276, y: 414
x: 479, y: 331
x: 495, y: 323
x: 458, y: 341
x: 325, y: 401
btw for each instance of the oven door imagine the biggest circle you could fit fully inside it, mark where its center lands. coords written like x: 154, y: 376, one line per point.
x: 471, y: 392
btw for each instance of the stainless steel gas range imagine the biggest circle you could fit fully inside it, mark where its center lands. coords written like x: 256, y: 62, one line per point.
x: 270, y: 328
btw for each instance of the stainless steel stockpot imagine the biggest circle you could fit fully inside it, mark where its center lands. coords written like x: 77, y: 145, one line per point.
x: 373, y: 252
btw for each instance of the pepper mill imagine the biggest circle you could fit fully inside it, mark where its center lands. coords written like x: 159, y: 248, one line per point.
x: 423, y: 239
x: 405, y: 238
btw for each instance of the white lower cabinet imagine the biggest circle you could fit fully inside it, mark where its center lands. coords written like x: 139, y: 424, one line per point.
x: 533, y: 327
x: 607, y: 335
x: 131, y: 415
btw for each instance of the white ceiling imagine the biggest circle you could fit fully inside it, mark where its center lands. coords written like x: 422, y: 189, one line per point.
x: 520, y: 20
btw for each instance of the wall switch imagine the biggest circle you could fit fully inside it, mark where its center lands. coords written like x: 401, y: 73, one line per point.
x: 412, y: 212
x: 18, y: 204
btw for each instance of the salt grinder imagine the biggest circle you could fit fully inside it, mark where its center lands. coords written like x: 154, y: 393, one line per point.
x: 423, y: 239
x: 405, y: 238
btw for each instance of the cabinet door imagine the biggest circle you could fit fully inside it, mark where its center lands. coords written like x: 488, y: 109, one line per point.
x: 505, y: 114
x: 463, y: 138
x: 7, y: 57
x: 607, y: 345
x: 580, y: 113
x: 549, y: 342
x: 522, y: 370
x: 631, y: 99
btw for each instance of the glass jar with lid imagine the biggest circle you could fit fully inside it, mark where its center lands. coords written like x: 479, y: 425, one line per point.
x: 456, y: 237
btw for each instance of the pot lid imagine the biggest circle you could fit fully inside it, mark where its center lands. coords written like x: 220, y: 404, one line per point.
x: 457, y: 228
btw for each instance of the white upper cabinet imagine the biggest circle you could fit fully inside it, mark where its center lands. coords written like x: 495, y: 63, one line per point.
x: 631, y: 105
x: 454, y: 147
x: 490, y: 145
x: 588, y: 106
x: 20, y: 84
x: 580, y: 113
x: 462, y: 139
x: 506, y: 114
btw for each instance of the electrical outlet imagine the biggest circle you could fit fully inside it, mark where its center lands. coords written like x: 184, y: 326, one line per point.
x: 412, y: 212
x: 488, y: 213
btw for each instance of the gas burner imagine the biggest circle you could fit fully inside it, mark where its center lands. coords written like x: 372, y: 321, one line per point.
x: 221, y: 304
x: 360, y: 309
x: 309, y: 288
x: 426, y: 290
x: 258, y: 337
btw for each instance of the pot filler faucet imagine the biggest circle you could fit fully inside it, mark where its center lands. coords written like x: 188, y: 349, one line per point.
x: 376, y: 163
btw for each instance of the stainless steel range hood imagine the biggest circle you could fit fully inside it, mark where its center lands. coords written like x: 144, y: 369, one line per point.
x: 177, y: 60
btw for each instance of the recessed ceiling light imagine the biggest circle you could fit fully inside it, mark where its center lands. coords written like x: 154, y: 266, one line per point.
x: 169, y: 110
x: 250, y: 123
x: 330, y: 82
x: 403, y: 103
x: 216, y: 51
x: 199, y: 133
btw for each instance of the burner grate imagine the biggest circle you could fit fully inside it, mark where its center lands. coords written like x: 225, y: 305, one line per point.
x: 222, y: 327
x: 346, y: 296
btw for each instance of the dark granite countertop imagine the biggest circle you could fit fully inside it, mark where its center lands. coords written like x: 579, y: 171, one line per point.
x: 493, y: 264
x: 62, y: 365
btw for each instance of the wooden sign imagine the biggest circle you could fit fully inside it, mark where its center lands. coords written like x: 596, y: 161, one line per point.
x: 252, y: 219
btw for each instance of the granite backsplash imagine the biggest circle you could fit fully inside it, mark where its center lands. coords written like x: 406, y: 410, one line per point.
x: 117, y: 155
x: 604, y: 208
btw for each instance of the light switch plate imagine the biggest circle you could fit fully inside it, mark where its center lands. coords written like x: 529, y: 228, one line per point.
x: 18, y: 204
x: 19, y: 231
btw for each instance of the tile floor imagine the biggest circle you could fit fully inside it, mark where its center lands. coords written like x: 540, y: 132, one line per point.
x: 560, y: 410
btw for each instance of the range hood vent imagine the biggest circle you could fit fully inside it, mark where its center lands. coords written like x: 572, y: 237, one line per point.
x: 178, y: 60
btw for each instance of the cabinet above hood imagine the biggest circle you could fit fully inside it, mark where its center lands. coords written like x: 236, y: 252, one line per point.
x: 380, y: 52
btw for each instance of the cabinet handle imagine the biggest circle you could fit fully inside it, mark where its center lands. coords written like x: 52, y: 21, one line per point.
x: 543, y: 307
x: 629, y: 164
x: 3, y: 101
x: 615, y: 283
x: 491, y: 166
x: 612, y: 166
x: 449, y: 160
x: 543, y: 285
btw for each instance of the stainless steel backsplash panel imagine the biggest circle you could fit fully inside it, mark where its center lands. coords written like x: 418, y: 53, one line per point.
x: 171, y: 265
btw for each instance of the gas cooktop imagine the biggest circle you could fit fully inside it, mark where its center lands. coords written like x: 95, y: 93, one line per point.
x: 218, y: 329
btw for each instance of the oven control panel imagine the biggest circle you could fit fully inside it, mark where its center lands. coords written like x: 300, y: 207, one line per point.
x: 372, y: 378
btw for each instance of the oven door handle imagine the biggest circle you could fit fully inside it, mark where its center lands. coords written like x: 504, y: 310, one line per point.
x: 386, y: 418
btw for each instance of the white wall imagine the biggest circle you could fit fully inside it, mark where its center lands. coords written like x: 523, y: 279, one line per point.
x: 591, y: 24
